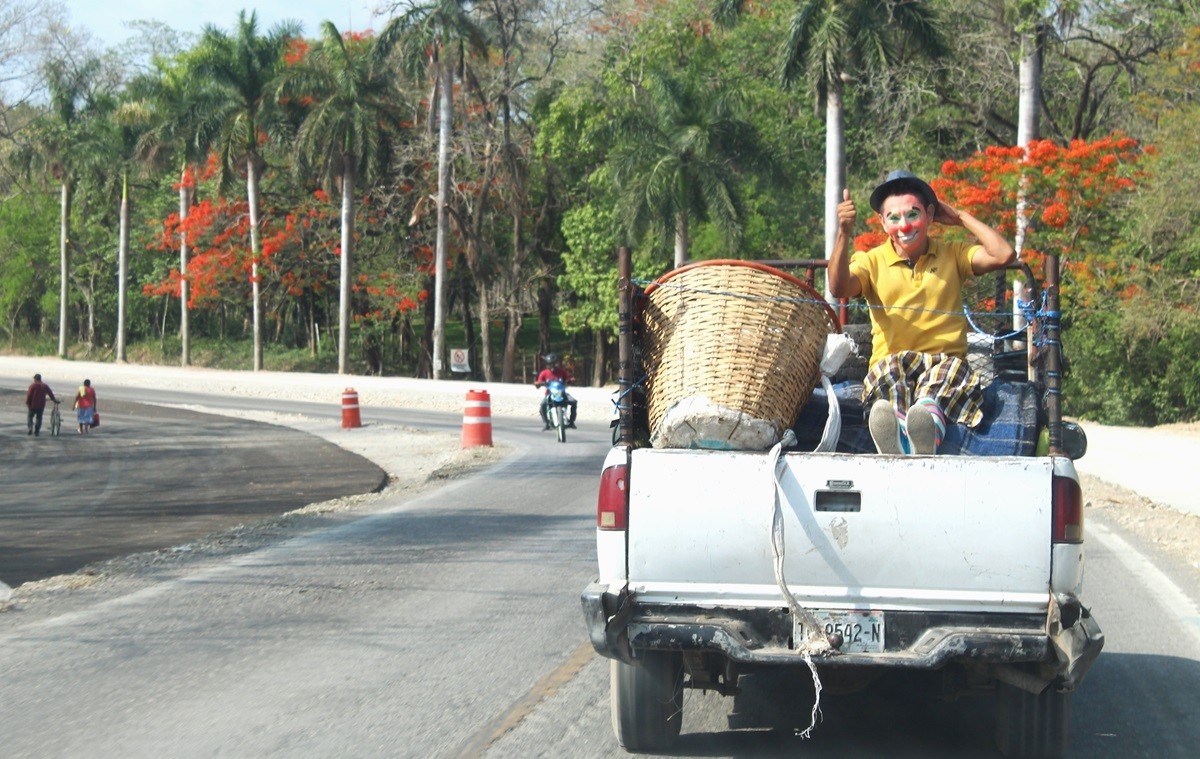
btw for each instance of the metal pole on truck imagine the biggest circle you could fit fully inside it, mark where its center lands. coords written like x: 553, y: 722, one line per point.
x: 625, y: 378
x: 1053, y: 365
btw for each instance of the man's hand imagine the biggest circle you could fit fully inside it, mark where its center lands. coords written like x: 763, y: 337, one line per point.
x: 841, y: 283
x: 847, y: 214
x: 995, y: 252
x: 947, y: 214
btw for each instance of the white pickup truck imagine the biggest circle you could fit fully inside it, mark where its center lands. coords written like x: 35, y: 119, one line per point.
x: 715, y: 562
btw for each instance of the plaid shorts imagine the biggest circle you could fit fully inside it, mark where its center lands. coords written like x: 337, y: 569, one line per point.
x: 902, y: 378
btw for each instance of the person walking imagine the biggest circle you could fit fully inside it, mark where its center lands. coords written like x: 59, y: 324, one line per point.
x: 85, y: 406
x: 35, y: 401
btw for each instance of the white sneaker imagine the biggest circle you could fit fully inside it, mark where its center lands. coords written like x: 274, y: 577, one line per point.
x: 885, y: 428
x: 922, y: 430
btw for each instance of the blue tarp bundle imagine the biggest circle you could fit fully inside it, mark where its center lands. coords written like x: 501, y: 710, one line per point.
x: 1009, y: 426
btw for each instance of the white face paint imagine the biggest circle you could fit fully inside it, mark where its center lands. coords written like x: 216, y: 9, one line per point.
x: 907, y: 223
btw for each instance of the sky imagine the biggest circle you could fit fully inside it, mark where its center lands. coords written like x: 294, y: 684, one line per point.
x: 103, y: 19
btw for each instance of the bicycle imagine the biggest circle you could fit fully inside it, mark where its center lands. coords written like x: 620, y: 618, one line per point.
x: 55, y: 420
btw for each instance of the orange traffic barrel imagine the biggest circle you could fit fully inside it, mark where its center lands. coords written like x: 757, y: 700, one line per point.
x: 350, y: 416
x: 477, y: 419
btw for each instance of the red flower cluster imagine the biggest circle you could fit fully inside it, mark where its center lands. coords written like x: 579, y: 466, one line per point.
x: 1070, y: 197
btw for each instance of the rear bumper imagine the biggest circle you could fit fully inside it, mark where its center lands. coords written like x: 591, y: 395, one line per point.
x: 1065, y: 645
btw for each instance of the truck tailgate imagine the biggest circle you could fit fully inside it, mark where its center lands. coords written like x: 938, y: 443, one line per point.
x: 930, y: 533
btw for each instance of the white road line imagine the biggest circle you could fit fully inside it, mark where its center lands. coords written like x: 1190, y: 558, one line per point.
x: 1169, y: 595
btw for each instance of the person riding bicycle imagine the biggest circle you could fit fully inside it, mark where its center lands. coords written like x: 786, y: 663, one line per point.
x: 554, y: 370
x: 35, y: 400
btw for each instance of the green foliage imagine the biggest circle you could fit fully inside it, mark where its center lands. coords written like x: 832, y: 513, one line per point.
x: 539, y: 175
x: 28, y: 261
x: 589, y: 269
x: 1133, y: 363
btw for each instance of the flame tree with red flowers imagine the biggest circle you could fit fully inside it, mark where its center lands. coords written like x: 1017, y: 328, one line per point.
x: 241, y: 68
x: 351, y: 114
x: 1075, y: 196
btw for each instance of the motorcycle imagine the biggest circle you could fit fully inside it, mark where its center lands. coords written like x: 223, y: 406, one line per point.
x: 557, y: 408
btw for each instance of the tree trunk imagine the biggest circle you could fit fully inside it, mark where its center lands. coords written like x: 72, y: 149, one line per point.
x: 122, y: 271
x: 835, y: 166
x: 512, y: 327
x: 598, y: 346
x: 1029, y: 103
x: 185, y: 204
x: 485, y: 333
x: 424, y: 362
x: 89, y: 337
x: 64, y: 264
x: 681, y: 239
x: 347, y: 253
x: 464, y: 294
x: 545, y: 309
x: 445, y: 116
x: 252, y: 197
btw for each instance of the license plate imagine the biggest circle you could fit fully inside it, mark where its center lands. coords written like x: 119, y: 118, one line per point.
x: 861, y: 631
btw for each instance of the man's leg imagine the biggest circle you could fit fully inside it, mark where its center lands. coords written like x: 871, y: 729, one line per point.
x: 29, y: 421
x: 37, y: 420
x: 884, y: 423
x: 542, y: 411
x: 925, y: 426
x: 574, y: 410
x: 955, y: 388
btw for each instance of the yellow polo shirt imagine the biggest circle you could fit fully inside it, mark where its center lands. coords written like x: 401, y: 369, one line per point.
x: 917, y: 309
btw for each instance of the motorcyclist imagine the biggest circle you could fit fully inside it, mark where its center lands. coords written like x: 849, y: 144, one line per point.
x: 554, y: 370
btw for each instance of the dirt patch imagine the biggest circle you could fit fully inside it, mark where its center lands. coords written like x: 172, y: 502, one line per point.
x: 1162, y: 529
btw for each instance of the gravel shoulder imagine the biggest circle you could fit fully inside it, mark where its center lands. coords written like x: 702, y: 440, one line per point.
x: 1159, y: 531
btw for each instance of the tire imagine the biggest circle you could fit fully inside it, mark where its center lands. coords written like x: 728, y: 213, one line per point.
x: 562, y: 426
x: 55, y: 423
x: 646, y: 701
x: 1032, y: 725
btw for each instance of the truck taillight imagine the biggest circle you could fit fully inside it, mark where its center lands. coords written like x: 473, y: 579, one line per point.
x: 612, y: 505
x: 1067, y: 511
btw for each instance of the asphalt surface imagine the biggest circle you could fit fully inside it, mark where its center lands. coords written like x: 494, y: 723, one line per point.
x: 69, y: 501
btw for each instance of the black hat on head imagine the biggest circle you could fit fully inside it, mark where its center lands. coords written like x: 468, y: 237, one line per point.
x: 899, y: 182
x: 37, y: 377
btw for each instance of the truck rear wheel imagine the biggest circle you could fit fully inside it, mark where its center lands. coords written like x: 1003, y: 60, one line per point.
x: 1030, y: 724
x: 647, y: 700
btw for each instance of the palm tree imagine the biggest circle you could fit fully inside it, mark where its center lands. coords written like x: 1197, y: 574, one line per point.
x: 829, y: 43
x: 676, y: 161
x: 124, y: 139
x: 63, y: 142
x: 355, y: 115
x: 169, y: 104
x: 242, y: 68
x: 435, y: 37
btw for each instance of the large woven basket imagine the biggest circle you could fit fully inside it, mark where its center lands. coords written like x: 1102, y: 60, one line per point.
x: 732, y: 351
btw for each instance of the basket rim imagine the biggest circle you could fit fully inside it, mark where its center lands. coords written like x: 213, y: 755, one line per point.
x: 833, y: 320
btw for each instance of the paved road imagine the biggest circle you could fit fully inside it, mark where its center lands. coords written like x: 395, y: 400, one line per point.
x: 149, y: 478
x: 449, y: 626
